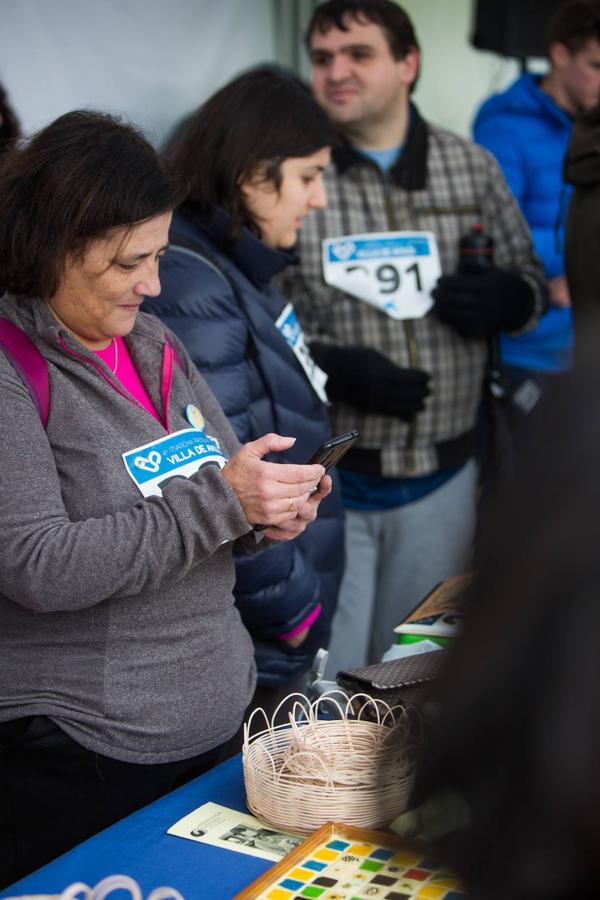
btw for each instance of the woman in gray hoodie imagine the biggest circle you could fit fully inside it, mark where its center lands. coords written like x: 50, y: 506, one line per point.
x: 123, y: 661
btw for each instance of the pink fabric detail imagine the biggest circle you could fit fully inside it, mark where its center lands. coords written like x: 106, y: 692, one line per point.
x: 127, y: 375
x: 305, y: 623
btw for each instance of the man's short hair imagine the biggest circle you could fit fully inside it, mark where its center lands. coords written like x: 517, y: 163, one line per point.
x: 573, y: 24
x: 393, y: 20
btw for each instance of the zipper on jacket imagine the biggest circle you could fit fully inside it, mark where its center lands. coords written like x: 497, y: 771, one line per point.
x: 411, y: 340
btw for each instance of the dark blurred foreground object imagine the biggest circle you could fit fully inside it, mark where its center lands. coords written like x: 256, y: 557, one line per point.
x: 582, y: 243
x: 512, y: 27
x: 509, y: 785
x: 10, y: 129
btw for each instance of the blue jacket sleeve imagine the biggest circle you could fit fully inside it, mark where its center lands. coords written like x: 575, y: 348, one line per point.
x: 497, y: 135
x: 277, y: 589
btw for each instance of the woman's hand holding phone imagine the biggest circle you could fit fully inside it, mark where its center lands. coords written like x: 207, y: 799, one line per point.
x: 327, y: 455
x: 269, y: 492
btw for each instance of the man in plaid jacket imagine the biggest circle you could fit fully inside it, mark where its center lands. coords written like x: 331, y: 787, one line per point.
x: 411, y: 386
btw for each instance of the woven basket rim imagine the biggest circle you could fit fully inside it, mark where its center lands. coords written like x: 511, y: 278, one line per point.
x: 293, y: 786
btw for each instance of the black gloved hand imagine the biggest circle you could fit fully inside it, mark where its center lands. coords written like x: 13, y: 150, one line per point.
x: 363, y: 377
x: 479, y: 305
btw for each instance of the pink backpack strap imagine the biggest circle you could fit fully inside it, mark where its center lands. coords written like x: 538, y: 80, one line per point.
x: 29, y: 364
x: 32, y: 368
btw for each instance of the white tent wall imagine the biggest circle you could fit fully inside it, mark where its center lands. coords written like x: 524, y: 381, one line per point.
x: 156, y: 60
x: 148, y: 60
x: 455, y: 78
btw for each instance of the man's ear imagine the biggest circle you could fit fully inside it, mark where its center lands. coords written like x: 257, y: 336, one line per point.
x: 559, y: 55
x: 410, y: 66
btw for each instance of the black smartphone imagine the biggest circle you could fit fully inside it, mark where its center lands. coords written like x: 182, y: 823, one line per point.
x: 330, y: 452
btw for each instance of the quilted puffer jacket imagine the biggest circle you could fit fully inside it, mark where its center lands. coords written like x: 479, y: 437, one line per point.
x: 221, y: 306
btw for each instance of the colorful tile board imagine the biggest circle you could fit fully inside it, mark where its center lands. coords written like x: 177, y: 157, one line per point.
x: 339, y: 862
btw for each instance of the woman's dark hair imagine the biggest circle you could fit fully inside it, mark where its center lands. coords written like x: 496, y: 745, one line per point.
x: 10, y: 129
x: 78, y: 179
x: 261, y: 118
x: 510, y: 778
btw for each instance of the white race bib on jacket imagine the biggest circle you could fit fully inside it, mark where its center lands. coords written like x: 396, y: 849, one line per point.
x: 290, y: 328
x: 394, y: 271
x: 176, y: 455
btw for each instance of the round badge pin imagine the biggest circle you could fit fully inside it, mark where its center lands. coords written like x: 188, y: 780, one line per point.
x: 194, y: 416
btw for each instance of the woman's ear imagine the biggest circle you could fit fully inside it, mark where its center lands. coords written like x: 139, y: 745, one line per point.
x: 244, y: 186
x: 249, y: 178
x: 258, y: 177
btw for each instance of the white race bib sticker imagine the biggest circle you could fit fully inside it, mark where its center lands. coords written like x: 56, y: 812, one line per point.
x: 394, y: 271
x: 290, y: 328
x: 176, y: 455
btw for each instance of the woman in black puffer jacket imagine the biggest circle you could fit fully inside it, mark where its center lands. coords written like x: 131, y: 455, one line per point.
x: 253, y: 155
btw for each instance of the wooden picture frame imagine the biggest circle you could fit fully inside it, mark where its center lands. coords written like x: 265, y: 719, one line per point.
x: 283, y: 871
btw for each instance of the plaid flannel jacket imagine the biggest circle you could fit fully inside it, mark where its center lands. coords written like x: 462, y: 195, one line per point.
x: 442, y: 184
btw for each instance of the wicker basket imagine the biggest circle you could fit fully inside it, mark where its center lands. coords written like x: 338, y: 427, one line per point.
x: 305, y: 772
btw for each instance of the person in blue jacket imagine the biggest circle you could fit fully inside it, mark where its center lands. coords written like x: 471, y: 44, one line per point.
x: 253, y: 155
x: 527, y: 128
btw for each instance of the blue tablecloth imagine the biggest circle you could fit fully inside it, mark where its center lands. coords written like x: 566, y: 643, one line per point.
x: 138, y: 846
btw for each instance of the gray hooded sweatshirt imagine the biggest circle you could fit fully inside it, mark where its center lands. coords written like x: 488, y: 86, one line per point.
x: 116, y: 611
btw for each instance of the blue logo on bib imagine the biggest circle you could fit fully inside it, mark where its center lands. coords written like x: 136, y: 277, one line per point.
x: 176, y: 455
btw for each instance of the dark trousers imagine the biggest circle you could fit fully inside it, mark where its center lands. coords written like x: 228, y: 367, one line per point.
x: 505, y: 424
x: 55, y: 794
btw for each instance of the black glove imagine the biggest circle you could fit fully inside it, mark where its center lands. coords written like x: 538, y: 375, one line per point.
x: 368, y: 380
x: 479, y: 305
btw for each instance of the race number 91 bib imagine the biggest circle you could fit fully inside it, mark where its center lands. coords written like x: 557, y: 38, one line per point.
x: 394, y: 271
